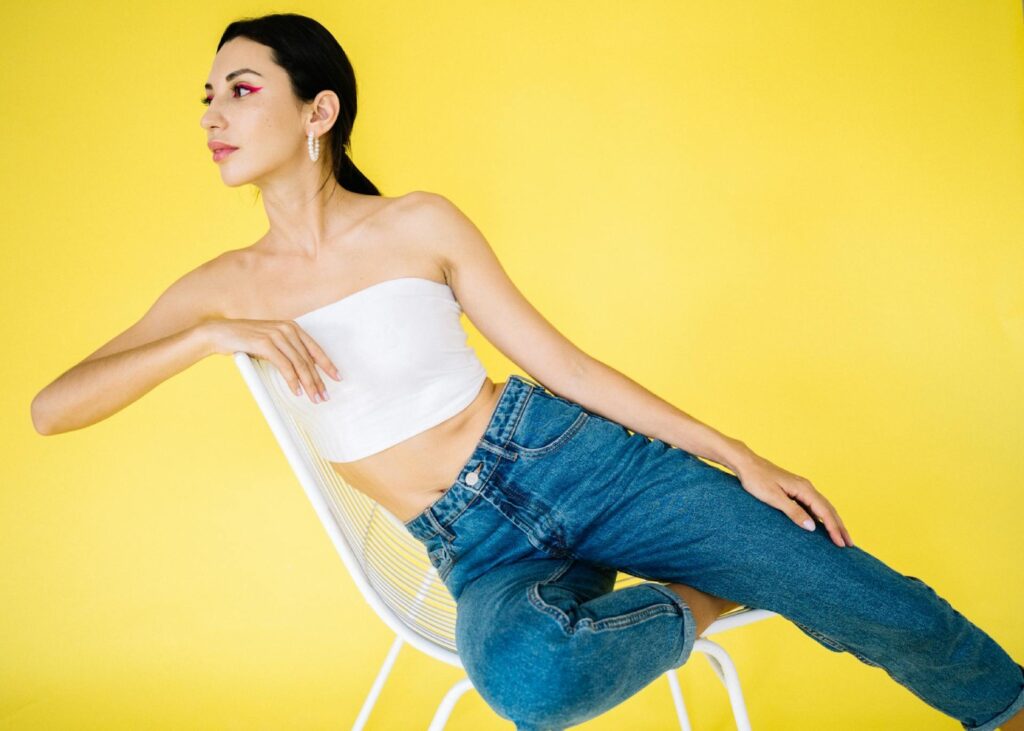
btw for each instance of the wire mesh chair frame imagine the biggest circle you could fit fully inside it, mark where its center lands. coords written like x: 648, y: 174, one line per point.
x: 391, y: 569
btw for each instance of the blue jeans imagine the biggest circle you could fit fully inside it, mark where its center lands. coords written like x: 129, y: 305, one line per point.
x: 555, y: 499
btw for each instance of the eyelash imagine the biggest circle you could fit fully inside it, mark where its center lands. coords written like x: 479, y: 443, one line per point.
x: 206, y: 99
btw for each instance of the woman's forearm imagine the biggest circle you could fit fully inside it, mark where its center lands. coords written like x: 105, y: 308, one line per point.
x: 609, y: 393
x: 95, y: 389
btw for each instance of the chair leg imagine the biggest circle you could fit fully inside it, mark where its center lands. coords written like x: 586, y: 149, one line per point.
x: 725, y: 669
x: 677, y: 698
x: 378, y: 684
x: 448, y: 703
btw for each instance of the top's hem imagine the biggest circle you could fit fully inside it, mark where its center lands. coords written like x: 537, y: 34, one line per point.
x: 435, y: 418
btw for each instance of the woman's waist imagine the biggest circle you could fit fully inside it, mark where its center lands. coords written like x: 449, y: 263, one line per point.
x: 408, y: 476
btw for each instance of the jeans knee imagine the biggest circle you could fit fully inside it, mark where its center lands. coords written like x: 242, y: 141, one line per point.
x: 525, y: 678
x: 540, y: 696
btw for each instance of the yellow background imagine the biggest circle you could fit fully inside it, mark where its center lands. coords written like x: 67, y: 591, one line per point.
x: 799, y: 221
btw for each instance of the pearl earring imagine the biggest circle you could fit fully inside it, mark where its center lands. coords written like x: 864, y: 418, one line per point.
x: 314, y: 147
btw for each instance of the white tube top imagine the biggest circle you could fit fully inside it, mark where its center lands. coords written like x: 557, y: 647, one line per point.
x: 404, y: 365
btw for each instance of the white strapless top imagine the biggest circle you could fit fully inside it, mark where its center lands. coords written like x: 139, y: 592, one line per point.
x: 404, y: 365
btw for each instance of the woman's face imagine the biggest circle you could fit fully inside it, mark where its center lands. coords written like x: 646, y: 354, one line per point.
x: 256, y: 112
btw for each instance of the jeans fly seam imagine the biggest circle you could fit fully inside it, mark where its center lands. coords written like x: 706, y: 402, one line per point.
x: 449, y: 535
x: 502, y: 496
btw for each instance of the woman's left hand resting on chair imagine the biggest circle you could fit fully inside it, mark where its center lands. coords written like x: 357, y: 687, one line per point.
x: 790, y: 493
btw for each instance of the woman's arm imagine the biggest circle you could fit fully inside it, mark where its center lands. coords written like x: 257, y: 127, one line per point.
x: 166, y: 340
x: 97, y: 388
x: 182, y: 327
x: 614, y: 395
x: 500, y: 311
x: 507, y: 319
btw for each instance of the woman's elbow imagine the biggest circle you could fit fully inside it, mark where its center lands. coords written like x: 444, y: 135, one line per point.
x: 40, y: 422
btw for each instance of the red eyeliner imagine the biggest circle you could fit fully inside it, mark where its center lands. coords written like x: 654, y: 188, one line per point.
x: 247, y: 87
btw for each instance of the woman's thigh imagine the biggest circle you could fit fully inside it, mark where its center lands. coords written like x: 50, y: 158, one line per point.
x: 655, y: 511
x: 552, y: 481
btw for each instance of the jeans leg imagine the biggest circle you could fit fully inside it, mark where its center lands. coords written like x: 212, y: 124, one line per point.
x: 548, y: 644
x: 660, y: 513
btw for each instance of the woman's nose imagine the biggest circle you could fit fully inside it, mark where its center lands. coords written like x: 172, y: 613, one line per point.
x: 211, y: 119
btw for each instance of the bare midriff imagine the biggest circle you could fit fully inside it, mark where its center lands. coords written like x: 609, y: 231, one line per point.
x: 408, y: 477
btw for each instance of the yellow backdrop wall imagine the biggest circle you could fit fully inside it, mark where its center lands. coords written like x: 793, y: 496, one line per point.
x: 798, y: 221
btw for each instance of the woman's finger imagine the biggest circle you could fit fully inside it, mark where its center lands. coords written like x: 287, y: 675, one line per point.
x: 295, y: 337
x: 802, y: 489
x: 847, y: 541
x: 318, y: 354
x: 284, y: 366
x: 824, y: 510
x: 299, y: 360
x: 846, y: 533
x: 778, y: 498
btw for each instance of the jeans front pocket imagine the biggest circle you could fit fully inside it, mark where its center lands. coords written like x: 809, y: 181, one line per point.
x: 548, y: 422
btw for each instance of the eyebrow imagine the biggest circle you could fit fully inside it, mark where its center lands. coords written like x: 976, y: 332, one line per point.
x: 233, y: 74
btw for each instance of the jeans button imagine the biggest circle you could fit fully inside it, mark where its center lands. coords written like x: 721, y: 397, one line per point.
x: 472, y: 478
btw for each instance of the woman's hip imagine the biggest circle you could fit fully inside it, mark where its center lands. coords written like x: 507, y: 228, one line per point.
x: 544, y: 470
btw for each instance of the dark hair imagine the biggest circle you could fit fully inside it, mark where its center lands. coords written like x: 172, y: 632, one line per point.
x: 315, y: 62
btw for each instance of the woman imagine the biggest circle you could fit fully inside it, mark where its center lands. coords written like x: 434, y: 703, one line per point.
x: 527, y: 501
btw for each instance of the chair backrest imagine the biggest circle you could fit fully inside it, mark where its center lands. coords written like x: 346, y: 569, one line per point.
x: 387, y: 563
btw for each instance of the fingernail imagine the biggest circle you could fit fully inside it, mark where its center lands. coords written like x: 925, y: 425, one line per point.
x: 809, y: 524
x: 326, y: 396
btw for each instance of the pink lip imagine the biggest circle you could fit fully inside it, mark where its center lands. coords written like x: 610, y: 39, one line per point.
x: 221, y: 153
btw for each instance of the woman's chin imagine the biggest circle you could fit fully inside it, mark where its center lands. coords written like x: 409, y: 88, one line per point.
x: 234, y: 181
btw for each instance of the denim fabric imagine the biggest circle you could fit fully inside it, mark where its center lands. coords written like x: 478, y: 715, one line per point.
x: 555, y: 499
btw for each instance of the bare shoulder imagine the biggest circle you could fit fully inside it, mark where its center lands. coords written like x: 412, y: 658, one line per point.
x: 205, y: 288
x: 490, y: 299
x: 223, y: 272
x: 409, y: 212
x: 421, y: 206
x: 434, y: 222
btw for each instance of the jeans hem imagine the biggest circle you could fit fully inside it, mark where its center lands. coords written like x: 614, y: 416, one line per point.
x: 689, y: 623
x: 1009, y: 712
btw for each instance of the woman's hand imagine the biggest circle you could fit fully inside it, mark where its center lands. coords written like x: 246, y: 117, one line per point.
x: 292, y: 351
x: 781, y: 489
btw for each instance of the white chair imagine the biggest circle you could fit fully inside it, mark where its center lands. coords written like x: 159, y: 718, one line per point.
x: 391, y: 569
